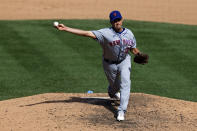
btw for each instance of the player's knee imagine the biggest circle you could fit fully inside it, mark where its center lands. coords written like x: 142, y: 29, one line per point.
x: 126, y: 84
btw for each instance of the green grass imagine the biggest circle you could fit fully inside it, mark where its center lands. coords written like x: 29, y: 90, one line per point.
x: 36, y: 58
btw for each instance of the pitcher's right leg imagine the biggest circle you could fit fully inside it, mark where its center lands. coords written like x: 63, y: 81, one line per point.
x: 111, y: 72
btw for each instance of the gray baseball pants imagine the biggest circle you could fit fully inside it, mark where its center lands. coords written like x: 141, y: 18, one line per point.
x: 118, y: 76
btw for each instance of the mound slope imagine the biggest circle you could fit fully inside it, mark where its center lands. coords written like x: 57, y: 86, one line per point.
x: 61, y: 111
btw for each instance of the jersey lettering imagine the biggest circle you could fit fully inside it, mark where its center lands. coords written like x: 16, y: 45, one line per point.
x: 113, y: 43
x: 125, y: 42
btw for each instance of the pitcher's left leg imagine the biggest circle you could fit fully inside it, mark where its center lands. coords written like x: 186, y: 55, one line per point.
x: 125, y: 84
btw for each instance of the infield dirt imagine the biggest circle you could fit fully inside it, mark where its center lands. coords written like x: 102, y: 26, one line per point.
x: 82, y: 112
x: 95, y: 112
x: 174, y: 11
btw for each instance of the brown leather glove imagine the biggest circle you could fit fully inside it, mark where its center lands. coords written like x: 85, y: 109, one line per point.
x: 141, y: 58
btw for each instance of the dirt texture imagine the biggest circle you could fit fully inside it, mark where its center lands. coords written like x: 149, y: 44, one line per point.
x: 173, y: 11
x: 96, y: 112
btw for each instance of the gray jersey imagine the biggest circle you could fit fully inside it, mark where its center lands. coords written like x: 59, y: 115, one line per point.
x: 115, y: 45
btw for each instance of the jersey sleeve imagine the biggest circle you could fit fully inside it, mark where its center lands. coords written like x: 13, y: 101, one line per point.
x: 134, y: 43
x: 99, y: 36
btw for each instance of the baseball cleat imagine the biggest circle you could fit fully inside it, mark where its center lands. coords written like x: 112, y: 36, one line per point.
x: 117, y: 96
x: 120, y: 116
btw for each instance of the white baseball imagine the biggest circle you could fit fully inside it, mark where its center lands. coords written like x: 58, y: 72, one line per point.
x: 55, y: 23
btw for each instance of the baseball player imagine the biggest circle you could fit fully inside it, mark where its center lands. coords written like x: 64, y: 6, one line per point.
x: 116, y: 41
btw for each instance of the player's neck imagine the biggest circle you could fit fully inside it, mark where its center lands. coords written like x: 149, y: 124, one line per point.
x: 117, y: 30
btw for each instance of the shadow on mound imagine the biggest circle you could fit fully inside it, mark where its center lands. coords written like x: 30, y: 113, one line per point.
x: 100, y: 101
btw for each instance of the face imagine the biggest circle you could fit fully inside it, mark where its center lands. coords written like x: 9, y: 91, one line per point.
x: 117, y: 24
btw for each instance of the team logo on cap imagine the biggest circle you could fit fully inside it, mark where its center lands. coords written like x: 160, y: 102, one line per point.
x: 114, y: 14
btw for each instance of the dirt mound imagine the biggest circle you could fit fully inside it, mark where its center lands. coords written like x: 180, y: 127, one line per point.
x: 174, y: 11
x: 55, y: 112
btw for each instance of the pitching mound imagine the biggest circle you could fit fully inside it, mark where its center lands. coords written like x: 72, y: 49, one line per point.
x: 55, y: 112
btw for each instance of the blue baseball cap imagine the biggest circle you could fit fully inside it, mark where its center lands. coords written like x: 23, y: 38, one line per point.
x: 115, y: 15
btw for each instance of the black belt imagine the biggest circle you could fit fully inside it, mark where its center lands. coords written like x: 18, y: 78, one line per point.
x: 112, y: 62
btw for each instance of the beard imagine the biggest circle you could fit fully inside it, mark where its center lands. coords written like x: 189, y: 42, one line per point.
x: 118, y: 28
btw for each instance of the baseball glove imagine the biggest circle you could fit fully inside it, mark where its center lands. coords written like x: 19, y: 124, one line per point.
x: 141, y: 58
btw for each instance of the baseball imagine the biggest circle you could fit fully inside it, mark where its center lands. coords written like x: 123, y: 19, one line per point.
x: 55, y: 23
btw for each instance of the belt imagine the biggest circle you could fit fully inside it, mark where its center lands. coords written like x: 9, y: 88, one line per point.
x: 112, y: 62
